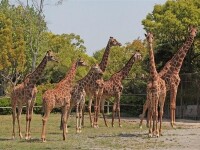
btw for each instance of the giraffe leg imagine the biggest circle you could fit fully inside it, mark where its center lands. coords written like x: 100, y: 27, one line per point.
x: 150, y: 122
x: 160, y: 128
x: 98, y: 110
x: 118, y: 109
x: 77, y: 118
x: 83, y: 111
x: 162, y: 103
x: 89, y: 110
x: 113, y: 113
x: 61, y: 121
x: 80, y: 116
x: 30, y: 118
x: 95, y: 109
x: 102, y: 111
x: 27, y: 118
x: 145, y: 106
x: 13, y: 117
x: 173, y: 93
x: 156, y: 119
x: 18, y: 120
x: 65, y: 111
x: 44, y: 121
x: 68, y: 114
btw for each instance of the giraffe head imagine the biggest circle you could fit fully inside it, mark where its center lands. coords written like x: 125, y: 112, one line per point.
x: 80, y: 62
x: 50, y: 56
x: 192, y: 30
x: 96, y: 70
x: 114, y: 42
x: 149, y: 37
x: 100, y: 82
x: 137, y: 55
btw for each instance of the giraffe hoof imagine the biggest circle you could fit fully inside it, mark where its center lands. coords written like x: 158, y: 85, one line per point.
x: 150, y: 135
x: 44, y: 141
x: 120, y: 126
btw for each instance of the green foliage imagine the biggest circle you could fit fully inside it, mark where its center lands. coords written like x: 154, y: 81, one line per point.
x: 169, y: 23
x: 5, y: 102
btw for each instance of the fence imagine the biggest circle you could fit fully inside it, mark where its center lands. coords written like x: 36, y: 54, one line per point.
x: 188, y: 99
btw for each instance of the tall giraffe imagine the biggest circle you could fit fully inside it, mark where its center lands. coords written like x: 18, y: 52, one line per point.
x: 25, y: 93
x: 156, y: 91
x: 113, y: 87
x: 170, y: 73
x: 91, y: 88
x: 60, y: 96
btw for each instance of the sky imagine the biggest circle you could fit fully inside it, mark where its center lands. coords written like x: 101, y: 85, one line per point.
x: 96, y: 20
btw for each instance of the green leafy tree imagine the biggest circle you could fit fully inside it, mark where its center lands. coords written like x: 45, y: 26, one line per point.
x: 169, y: 23
x: 68, y: 47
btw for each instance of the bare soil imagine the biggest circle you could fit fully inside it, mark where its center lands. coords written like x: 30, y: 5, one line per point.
x: 185, y: 136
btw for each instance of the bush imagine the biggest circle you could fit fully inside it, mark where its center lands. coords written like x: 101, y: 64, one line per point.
x: 5, y: 102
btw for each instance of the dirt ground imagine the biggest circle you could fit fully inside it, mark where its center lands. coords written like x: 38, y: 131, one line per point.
x: 185, y: 136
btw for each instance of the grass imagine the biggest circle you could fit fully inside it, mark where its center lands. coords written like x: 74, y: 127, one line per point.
x: 127, y: 137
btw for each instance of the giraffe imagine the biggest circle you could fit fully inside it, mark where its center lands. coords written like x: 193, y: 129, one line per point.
x: 25, y: 94
x: 113, y: 87
x: 156, y: 91
x: 60, y: 96
x: 78, y: 94
x: 170, y: 73
x: 91, y: 88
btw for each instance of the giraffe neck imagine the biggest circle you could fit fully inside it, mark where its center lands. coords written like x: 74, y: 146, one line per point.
x: 174, y: 65
x: 89, y: 79
x: 125, y: 70
x: 153, y: 71
x: 35, y: 75
x: 104, y: 60
x: 69, y: 75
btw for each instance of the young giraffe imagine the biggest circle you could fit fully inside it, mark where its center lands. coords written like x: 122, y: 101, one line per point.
x: 91, y: 88
x: 113, y: 87
x: 156, y: 91
x: 25, y: 93
x: 60, y: 96
x: 170, y: 73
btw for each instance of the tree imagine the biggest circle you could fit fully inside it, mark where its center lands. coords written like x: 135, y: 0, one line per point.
x: 169, y: 24
x: 12, y: 56
x: 68, y: 47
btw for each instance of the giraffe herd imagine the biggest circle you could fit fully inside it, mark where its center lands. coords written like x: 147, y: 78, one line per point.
x: 66, y: 95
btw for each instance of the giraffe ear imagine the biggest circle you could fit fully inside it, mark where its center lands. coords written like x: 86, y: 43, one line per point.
x: 48, y: 52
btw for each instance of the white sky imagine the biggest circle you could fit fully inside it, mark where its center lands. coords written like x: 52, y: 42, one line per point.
x: 96, y: 20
